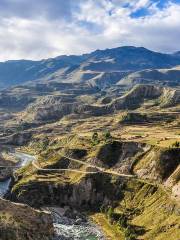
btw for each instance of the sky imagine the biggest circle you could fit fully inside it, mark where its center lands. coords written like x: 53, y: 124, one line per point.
x: 37, y: 29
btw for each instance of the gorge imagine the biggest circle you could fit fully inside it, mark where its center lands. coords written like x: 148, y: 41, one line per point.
x: 90, y: 149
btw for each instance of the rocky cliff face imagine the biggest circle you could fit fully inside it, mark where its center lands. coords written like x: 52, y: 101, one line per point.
x: 5, y: 172
x: 89, y: 193
x: 158, y: 164
x: 174, y: 183
x: 170, y: 97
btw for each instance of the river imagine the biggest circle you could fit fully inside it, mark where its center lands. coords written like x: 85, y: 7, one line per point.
x: 23, y: 160
x: 65, y: 228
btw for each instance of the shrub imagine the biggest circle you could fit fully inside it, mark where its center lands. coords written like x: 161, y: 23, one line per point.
x: 110, y: 212
x: 102, y: 209
x: 122, y: 222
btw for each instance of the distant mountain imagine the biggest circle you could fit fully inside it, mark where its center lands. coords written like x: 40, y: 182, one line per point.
x: 20, y: 71
x: 86, y: 67
x: 177, y: 53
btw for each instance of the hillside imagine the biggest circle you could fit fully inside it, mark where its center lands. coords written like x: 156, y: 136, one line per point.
x: 16, y: 224
x: 168, y: 77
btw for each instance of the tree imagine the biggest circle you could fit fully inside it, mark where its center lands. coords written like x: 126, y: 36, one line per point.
x: 95, y: 138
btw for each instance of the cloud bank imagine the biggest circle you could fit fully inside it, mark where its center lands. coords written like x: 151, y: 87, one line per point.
x: 48, y: 28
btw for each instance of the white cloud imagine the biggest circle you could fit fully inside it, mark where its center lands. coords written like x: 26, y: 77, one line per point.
x: 141, y: 4
x: 95, y: 25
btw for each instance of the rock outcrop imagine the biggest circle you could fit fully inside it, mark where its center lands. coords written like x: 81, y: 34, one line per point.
x: 173, y: 182
x: 158, y: 164
x: 170, y: 97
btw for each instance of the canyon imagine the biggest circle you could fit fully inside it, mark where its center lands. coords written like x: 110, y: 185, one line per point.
x: 90, y: 147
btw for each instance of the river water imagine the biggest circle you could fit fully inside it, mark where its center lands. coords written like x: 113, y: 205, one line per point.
x: 23, y: 160
x: 65, y: 228
x: 4, y: 186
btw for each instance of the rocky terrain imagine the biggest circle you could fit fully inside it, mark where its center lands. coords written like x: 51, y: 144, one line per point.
x: 103, y: 132
x: 16, y: 224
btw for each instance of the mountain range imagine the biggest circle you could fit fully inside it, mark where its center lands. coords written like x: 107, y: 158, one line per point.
x: 101, y: 68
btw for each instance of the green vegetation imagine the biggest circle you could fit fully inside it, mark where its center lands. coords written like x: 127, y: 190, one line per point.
x: 135, y: 216
x: 121, y: 221
x: 105, y: 137
x: 110, y: 213
x: 111, y: 231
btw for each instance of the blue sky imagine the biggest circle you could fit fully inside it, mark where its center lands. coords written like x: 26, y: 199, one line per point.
x: 46, y: 28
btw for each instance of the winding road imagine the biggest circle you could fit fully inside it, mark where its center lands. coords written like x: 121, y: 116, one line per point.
x: 35, y: 164
x: 100, y: 169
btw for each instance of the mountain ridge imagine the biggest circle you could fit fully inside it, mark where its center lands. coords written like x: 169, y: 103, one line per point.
x: 127, y: 58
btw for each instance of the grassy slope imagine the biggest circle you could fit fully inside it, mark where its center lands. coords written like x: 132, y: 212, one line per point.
x: 158, y: 215
x: 111, y: 231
